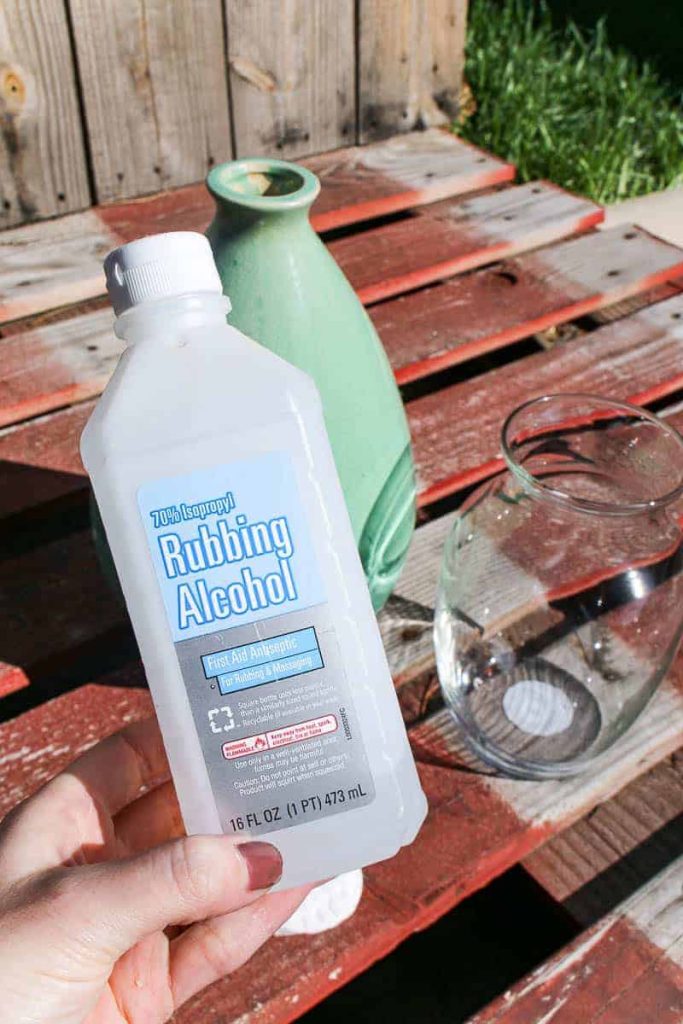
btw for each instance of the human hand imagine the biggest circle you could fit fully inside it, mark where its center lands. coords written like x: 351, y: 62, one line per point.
x: 86, y: 891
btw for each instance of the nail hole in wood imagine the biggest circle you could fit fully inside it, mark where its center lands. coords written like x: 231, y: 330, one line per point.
x: 7, y: 205
x: 535, y: 191
x: 157, y: 169
x: 506, y: 275
x: 508, y: 216
x: 613, y: 273
x: 676, y: 316
x: 92, y: 348
x: 210, y: 161
x: 119, y: 175
x: 61, y: 197
x: 630, y: 234
x: 481, y: 159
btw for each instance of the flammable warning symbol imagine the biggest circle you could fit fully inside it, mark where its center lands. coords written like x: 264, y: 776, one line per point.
x: 281, y: 737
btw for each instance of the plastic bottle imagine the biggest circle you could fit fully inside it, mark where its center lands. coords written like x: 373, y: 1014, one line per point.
x: 215, y: 480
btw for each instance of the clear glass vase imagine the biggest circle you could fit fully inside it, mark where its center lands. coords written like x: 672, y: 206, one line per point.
x: 560, y: 604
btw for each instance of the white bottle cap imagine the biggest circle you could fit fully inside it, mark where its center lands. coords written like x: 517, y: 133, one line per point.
x: 160, y: 266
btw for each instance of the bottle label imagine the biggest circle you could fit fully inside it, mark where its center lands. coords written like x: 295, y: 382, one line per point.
x: 257, y: 647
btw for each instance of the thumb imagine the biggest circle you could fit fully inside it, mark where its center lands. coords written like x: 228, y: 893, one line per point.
x: 117, y: 903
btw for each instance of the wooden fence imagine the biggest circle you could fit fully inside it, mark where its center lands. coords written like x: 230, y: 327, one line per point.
x: 106, y: 99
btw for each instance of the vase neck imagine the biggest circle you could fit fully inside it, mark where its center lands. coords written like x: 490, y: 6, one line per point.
x: 261, y: 190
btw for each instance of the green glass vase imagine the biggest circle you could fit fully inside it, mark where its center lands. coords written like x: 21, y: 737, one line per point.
x: 288, y: 293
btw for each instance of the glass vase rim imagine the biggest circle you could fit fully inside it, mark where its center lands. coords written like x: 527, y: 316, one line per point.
x: 221, y: 180
x: 588, y: 505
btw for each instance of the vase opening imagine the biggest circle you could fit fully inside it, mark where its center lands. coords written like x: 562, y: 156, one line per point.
x: 594, y: 455
x: 262, y: 183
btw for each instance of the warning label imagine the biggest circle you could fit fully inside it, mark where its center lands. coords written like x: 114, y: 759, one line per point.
x: 281, y: 737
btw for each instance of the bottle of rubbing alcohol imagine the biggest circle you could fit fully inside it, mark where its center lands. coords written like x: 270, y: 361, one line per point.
x: 221, y: 503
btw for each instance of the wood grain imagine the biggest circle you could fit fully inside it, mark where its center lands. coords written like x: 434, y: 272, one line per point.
x: 154, y: 91
x: 291, y: 75
x: 453, y: 236
x: 42, y: 153
x: 363, y: 182
x: 411, y: 57
x: 456, y: 431
x: 423, y: 331
x: 357, y: 184
x: 474, y: 831
x: 593, y: 866
x: 446, y: 324
x: 626, y: 969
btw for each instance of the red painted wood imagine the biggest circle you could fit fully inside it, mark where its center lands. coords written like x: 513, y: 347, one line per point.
x: 51, y: 366
x: 449, y: 323
x: 364, y: 182
x: 471, y: 835
x: 358, y: 184
x: 612, y: 974
x: 456, y: 431
x: 40, y: 462
x: 71, y: 360
x: 455, y: 236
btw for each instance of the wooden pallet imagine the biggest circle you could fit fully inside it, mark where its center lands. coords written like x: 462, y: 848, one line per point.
x: 460, y: 275
x: 626, y: 969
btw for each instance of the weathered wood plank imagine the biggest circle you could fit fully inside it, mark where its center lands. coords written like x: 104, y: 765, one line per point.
x: 39, y: 461
x: 423, y: 331
x: 291, y: 75
x: 358, y: 183
x: 456, y: 431
x: 626, y: 969
x: 411, y: 57
x: 57, y: 365
x: 42, y: 152
x: 154, y: 91
x: 477, y: 827
x: 363, y: 182
x: 453, y: 236
x: 596, y: 864
x: 446, y: 324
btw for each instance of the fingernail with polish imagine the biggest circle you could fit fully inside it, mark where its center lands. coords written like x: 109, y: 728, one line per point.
x: 264, y: 864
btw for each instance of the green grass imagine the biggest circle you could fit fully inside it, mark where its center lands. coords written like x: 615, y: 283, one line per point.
x: 563, y: 104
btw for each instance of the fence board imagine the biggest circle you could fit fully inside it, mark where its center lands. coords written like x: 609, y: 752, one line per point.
x: 291, y: 75
x: 410, y: 64
x: 154, y: 90
x: 42, y: 155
